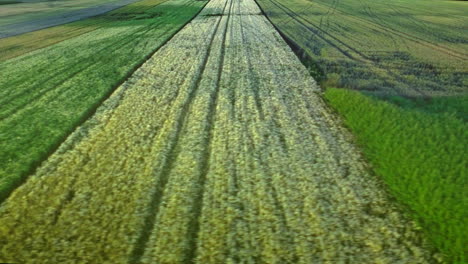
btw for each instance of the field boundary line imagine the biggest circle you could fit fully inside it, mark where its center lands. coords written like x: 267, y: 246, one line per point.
x: 301, y: 53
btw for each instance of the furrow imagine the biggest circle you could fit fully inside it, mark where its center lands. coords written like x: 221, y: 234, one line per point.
x: 209, y: 134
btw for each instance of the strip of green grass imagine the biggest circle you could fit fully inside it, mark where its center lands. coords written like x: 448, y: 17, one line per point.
x: 421, y: 156
x: 454, y: 105
x: 45, y: 94
x: 9, y: 2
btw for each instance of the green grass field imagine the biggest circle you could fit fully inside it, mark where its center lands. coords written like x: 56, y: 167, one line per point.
x: 46, y: 93
x: 415, y: 48
x: 9, y: 2
x: 420, y: 152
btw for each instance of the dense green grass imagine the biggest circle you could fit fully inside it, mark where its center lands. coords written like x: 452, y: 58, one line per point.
x: 416, y: 48
x: 46, y: 93
x: 420, y: 152
x: 9, y: 2
x: 452, y: 105
x: 456, y: 106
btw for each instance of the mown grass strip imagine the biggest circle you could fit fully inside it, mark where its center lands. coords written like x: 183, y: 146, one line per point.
x: 422, y: 159
x: 47, y: 93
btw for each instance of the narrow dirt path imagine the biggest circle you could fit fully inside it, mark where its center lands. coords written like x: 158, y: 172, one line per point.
x: 218, y: 150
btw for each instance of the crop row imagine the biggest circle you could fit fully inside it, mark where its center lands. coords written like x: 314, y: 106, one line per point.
x: 214, y: 151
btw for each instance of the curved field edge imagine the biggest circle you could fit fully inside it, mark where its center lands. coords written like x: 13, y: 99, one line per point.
x: 47, y: 93
x: 422, y: 159
x: 15, y: 46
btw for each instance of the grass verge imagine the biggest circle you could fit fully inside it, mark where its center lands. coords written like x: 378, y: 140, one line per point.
x: 420, y: 153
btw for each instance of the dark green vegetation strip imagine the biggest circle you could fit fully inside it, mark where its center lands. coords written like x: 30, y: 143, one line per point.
x: 396, y: 47
x: 45, y: 94
x: 9, y: 2
x: 421, y: 155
